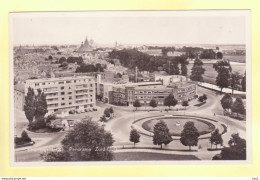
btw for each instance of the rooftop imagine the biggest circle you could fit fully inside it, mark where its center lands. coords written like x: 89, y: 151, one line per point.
x: 59, y: 79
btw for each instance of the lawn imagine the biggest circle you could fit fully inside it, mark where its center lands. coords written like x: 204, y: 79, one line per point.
x: 145, y: 156
x: 210, y: 74
x: 203, y: 127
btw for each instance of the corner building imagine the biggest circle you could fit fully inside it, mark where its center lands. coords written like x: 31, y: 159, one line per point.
x: 66, y: 93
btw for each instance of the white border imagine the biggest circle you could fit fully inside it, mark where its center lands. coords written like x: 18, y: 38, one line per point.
x: 245, y: 13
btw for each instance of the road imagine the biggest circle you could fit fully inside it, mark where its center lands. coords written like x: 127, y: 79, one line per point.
x: 120, y: 127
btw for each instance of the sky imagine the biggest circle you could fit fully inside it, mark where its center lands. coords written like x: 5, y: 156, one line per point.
x: 128, y: 29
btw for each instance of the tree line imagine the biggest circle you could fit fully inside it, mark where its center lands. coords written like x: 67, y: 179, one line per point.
x: 131, y: 58
x: 84, y: 68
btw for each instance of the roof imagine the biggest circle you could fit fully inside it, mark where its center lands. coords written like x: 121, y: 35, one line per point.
x: 60, y: 79
x: 19, y: 87
x: 85, y: 47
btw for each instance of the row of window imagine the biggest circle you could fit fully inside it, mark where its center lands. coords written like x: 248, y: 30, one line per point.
x: 63, y: 82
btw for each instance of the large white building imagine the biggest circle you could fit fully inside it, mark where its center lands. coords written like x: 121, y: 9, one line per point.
x: 66, y: 93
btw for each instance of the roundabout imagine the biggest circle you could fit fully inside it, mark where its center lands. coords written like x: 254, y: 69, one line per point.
x: 175, y: 123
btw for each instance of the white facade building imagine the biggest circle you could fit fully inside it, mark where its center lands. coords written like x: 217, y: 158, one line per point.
x: 66, y: 93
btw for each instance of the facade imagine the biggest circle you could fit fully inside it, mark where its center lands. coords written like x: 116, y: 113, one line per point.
x: 66, y: 93
x: 19, y: 96
x: 125, y: 95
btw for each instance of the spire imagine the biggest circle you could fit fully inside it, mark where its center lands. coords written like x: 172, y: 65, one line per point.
x: 86, y: 41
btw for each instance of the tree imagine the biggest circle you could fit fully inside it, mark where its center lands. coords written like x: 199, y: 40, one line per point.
x: 216, y: 138
x: 103, y: 118
x: 208, y: 54
x: 202, y: 98
x: 235, y: 151
x: 119, y: 75
x: 88, y: 141
x: 235, y: 81
x: 79, y: 60
x: 50, y: 57
x: 111, y: 111
x: 107, y: 112
x: 238, y: 106
x: 185, y: 104
x: 226, y: 102
x: 62, y: 60
x: 224, y: 72
x: 25, y: 137
x: 153, y: 103
x: 134, y: 136
x: 243, y: 83
x: 136, y: 104
x: 41, y: 104
x: 219, y: 55
x: 161, y: 134
x: 170, y: 101
x: 222, y: 79
x: 197, y: 71
x: 35, y: 108
x: 29, y: 105
x: 189, y: 135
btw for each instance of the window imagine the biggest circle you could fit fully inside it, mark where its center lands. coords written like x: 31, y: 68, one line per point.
x: 63, y: 104
x: 43, y: 83
x: 36, y: 84
x: 69, y: 103
x: 75, y: 80
x: 62, y: 93
x: 70, y: 97
x: 62, y: 98
x: 61, y: 82
x: 68, y: 82
x: 69, y: 92
x: 62, y: 87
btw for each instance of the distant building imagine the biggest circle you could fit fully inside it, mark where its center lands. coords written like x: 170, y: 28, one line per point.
x: 86, y: 50
x: 19, y: 96
x: 66, y: 93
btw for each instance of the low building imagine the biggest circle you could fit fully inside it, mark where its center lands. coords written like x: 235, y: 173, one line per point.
x: 66, y: 93
x: 19, y: 96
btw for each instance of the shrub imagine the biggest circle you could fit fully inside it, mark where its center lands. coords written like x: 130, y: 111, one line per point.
x: 23, y: 139
x: 39, y: 123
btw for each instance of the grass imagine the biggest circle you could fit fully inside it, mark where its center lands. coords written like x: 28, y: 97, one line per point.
x: 225, y: 128
x: 204, y: 127
x: 145, y: 156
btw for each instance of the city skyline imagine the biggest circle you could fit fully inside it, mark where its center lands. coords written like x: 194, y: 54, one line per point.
x: 129, y: 29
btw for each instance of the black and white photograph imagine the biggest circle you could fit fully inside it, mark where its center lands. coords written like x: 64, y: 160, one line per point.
x: 130, y: 87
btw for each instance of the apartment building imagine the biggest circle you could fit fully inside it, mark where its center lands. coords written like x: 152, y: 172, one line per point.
x: 66, y: 93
